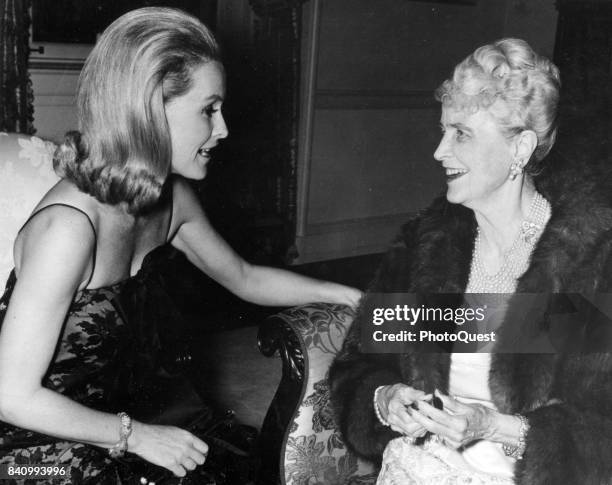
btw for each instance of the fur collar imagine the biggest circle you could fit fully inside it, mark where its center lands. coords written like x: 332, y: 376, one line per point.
x: 579, y: 224
x: 569, y: 257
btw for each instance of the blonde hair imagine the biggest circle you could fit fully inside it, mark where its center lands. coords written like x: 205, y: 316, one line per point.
x: 528, y: 84
x: 122, y: 152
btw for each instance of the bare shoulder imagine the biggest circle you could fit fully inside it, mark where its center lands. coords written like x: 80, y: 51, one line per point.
x: 60, y: 233
x: 57, y: 224
x: 63, y: 208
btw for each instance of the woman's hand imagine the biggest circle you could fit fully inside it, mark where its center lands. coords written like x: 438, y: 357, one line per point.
x: 173, y: 448
x: 345, y: 295
x: 458, y: 424
x: 392, y: 402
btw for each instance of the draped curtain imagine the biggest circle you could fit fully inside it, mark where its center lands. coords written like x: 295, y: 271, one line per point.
x: 16, y: 96
x: 583, y: 52
x: 277, y: 45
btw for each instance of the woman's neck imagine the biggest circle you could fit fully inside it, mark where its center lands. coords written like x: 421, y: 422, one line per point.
x: 499, y: 221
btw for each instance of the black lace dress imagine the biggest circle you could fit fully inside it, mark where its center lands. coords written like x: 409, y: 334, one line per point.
x: 110, y: 358
x: 84, y: 368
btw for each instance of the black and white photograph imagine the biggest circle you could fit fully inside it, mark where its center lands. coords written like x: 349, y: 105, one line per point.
x: 305, y: 242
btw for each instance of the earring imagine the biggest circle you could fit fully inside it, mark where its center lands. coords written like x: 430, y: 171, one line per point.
x: 516, y: 168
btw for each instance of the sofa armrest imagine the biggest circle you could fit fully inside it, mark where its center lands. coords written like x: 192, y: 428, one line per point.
x: 277, y: 335
x: 299, y: 428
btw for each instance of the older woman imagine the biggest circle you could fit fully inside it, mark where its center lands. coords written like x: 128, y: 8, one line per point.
x: 149, y: 103
x: 502, y: 228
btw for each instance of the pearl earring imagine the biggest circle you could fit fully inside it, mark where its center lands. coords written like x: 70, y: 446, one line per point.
x: 516, y: 169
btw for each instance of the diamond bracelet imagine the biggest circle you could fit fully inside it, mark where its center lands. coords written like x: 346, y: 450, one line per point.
x: 517, y: 451
x: 125, y: 431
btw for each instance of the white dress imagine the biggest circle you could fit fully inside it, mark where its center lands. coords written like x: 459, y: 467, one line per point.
x: 481, y: 463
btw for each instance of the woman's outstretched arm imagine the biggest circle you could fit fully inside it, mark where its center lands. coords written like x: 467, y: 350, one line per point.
x: 205, y: 248
x: 55, y: 259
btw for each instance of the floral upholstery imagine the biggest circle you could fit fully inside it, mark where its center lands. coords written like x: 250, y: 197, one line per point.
x: 313, y: 452
x: 26, y: 174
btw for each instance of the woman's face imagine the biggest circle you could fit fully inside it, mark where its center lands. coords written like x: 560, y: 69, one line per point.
x: 475, y: 155
x: 195, y: 121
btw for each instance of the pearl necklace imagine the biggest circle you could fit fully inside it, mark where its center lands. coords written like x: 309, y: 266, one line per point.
x: 516, y: 259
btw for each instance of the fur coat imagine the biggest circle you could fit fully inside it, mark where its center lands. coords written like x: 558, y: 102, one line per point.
x: 567, y: 397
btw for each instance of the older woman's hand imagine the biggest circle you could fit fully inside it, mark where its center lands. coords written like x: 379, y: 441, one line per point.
x: 392, y: 402
x: 458, y: 424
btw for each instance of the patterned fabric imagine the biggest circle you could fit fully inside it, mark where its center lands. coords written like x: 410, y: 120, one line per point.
x: 26, y: 174
x: 83, y: 369
x: 406, y: 464
x: 99, y: 363
x: 103, y: 360
x: 314, y: 452
x: 88, y: 465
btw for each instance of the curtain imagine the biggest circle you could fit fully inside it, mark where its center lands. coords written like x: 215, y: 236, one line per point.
x: 16, y: 96
x: 583, y: 53
x: 277, y: 42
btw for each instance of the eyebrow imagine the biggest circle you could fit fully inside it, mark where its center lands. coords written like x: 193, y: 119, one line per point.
x: 460, y: 126
x: 213, y: 97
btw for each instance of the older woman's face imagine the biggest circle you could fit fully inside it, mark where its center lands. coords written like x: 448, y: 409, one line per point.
x: 475, y: 155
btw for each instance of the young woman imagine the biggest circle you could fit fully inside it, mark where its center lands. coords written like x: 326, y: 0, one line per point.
x: 149, y: 101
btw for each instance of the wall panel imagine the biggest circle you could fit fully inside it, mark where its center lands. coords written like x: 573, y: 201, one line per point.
x: 371, y: 163
x: 369, y: 122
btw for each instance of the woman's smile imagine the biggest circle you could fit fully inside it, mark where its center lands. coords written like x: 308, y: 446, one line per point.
x: 204, y: 154
x: 473, y: 143
x: 454, y: 173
